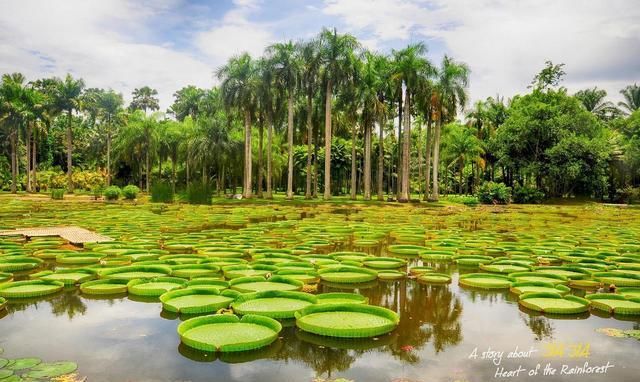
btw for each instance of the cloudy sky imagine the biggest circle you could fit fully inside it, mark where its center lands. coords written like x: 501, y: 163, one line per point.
x: 167, y: 44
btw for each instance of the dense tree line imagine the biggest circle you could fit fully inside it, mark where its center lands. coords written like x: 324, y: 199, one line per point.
x: 319, y: 118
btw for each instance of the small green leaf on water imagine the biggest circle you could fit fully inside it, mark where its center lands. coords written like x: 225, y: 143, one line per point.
x: 23, y: 363
x: 52, y: 369
x: 5, y: 373
x: 618, y: 333
x: 3, y: 362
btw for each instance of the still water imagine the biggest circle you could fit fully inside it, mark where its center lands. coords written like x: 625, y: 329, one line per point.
x: 119, y: 339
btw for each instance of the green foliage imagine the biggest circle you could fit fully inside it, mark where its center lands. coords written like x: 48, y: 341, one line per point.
x: 130, y: 192
x: 57, y: 193
x: 548, y: 77
x: 527, y: 195
x: 627, y: 195
x: 494, y: 193
x: 467, y: 200
x: 162, y: 192
x: 112, y: 193
x: 199, y: 193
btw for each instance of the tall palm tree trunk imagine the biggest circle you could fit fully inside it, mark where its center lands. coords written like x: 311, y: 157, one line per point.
x: 28, y: 155
x: 427, y: 189
x: 69, y: 153
x: 188, y: 156
x: 436, y: 158
x: 367, y: 160
x: 260, y: 156
x: 246, y: 189
x: 34, y: 161
x: 147, y: 167
x: 381, y: 160
x: 354, y: 171
x: 108, y: 159
x: 399, y: 149
x: 14, y: 163
x: 316, y: 149
x: 327, y: 143
x: 307, y: 192
x: 419, y: 147
x: 290, y: 144
x: 404, y: 196
x: 269, y: 160
x: 173, y: 173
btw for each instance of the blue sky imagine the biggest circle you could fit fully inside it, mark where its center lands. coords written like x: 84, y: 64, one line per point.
x: 167, y: 44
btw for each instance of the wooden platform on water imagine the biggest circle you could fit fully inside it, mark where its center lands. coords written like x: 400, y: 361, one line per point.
x: 74, y: 235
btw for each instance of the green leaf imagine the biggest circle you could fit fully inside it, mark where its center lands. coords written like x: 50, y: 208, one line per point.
x: 53, y: 369
x: 24, y: 363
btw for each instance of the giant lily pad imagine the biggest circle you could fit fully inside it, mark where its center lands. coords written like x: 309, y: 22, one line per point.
x: 195, y: 270
x: 136, y: 272
x: 22, y: 363
x: 154, y: 287
x: 485, y: 281
x: 66, y: 276
x: 537, y: 286
x: 615, y: 303
x: 104, y: 287
x: 30, y: 288
x: 341, y: 298
x: 260, y: 284
x: 228, y: 333
x: 274, y: 304
x: 197, y: 300
x: 5, y: 277
x: 18, y: 263
x: 346, y: 320
x: 434, y: 278
x: 383, y: 262
x: 548, y: 302
x: 347, y: 274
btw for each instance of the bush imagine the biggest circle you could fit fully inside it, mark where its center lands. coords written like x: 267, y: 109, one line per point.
x: 162, y: 192
x: 494, y: 193
x: 130, y: 192
x: 627, y: 195
x: 112, y: 193
x: 527, y: 195
x: 199, y: 193
x: 97, y: 192
x: 57, y: 194
x: 470, y: 201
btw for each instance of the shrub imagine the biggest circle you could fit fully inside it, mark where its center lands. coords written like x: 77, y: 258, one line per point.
x: 97, y: 192
x: 470, y: 201
x: 112, y: 193
x: 494, y: 193
x: 130, y: 192
x: 527, y: 195
x: 162, y: 192
x: 57, y: 193
x: 628, y: 195
x: 199, y: 193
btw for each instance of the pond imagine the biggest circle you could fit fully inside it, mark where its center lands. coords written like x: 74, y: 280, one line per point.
x: 446, y: 331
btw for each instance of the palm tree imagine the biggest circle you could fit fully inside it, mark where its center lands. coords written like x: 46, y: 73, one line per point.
x: 239, y: 88
x: 409, y: 69
x: 11, y: 107
x: 112, y: 115
x: 145, y: 98
x: 310, y: 58
x: 286, y: 70
x: 594, y: 101
x: 336, y: 51
x: 67, y: 98
x: 371, y: 94
x: 631, y: 96
x: 265, y: 98
x: 462, y: 146
x: 187, y: 102
x: 450, y: 93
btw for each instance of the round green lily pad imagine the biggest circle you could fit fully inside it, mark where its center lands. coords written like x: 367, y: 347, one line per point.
x: 18, y: 263
x: 537, y: 286
x: 629, y: 292
x: 472, y: 261
x: 418, y: 270
x: 572, y: 273
x: 228, y: 333
x: 260, y: 284
x: 538, y: 277
x: 131, y: 272
x: 51, y: 369
x: 66, y: 276
x: 615, y: 303
x: 347, y: 274
x: 306, y: 276
x: 196, y: 300
x: 341, y: 298
x: 30, y: 288
x: 237, y: 271
x: 104, y: 287
x: 274, y: 304
x: 434, y: 278
x: 23, y: 363
x: 548, y: 302
x: 485, y: 281
x: 5, y: 373
x: 346, y: 320
x: 383, y: 262
x: 5, y: 277
x: 80, y: 258
x: 406, y: 249
x: 391, y: 274
x: 195, y: 270
x: 213, y: 282
x: 504, y: 268
x: 618, y: 279
x: 154, y: 287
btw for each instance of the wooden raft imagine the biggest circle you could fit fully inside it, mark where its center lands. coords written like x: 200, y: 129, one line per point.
x: 74, y: 235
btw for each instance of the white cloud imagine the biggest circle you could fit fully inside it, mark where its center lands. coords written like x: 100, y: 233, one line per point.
x: 506, y: 42
x: 95, y: 40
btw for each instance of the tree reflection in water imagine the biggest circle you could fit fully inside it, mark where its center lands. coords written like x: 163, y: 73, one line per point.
x: 68, y: 302
x: 539, y: 325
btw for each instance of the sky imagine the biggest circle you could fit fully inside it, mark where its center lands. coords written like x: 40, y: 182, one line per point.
x: 168, y: 44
